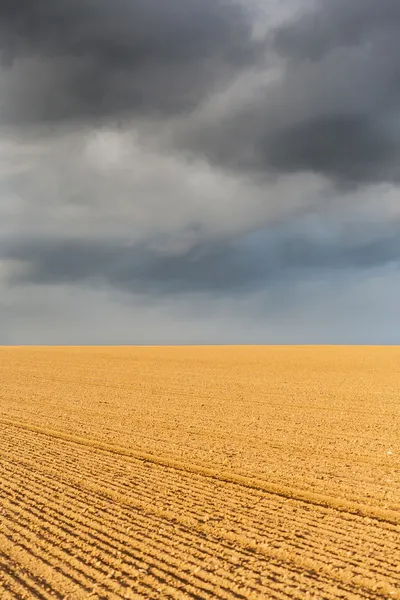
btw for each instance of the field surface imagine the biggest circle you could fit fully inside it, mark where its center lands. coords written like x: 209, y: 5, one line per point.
x: 200, y: 472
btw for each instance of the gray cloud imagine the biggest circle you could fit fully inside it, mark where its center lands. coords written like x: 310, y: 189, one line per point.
x: 349, y: 148
x: 329, y: 24
x: 169, y: 161
x: 256, y: 261
x: 329, y: 105
x: 78, y: 59
x: 324, y: 97
x: 351, y: 307
x: 356, y: 138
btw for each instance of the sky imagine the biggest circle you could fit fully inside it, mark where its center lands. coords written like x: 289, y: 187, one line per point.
x: 199, y: 171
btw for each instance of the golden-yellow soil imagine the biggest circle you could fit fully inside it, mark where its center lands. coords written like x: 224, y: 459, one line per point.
x: 200, y: 472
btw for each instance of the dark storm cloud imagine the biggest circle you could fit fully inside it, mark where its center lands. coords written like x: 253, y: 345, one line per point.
x: 209, y: 267
x: 333, y: 106
x: 333, y: 110
x: 348, y: 148
x: 250, y: 263
x: 338, y: 23
x: 80, y: 59
x: 353, y: 48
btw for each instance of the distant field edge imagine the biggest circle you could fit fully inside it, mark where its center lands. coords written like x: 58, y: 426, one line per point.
x: 331, y: 502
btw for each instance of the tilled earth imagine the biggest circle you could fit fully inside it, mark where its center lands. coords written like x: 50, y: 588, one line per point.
x: 133, y: 473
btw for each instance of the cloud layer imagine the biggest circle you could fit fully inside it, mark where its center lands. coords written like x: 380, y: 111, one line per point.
x: 83, y: 60
x: 201, y: 154
x: 329, y: 104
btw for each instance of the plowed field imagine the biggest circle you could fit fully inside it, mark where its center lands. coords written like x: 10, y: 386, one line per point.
x: 224, y: 472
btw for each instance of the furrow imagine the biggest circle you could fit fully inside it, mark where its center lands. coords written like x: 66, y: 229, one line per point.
x: 25, y: 533
x: 39, y: 569
x: 94, y: 548
x: 102, y: 542
x: 59, y: 520
x: 339, y: 504
x: 205, y: 491
x: 83, y: 574
x: 306, y: 549
x: 317, y: 586
x: 346, y: 578
x: 18, y: 582
x: 325, y: 554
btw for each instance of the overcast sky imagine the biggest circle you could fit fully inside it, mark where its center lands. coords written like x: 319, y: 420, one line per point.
x: 199, y: 171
